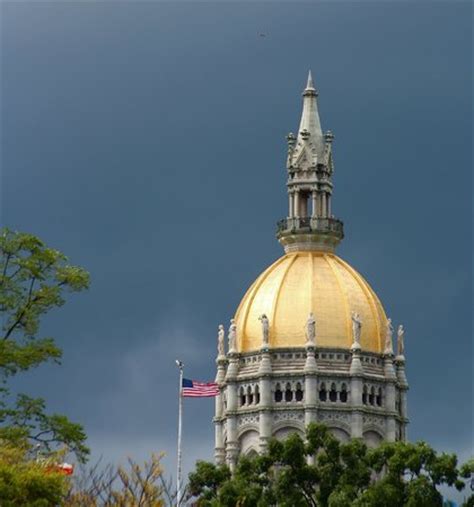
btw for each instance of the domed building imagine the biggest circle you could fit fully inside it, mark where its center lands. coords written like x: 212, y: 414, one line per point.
x: 310, y: 340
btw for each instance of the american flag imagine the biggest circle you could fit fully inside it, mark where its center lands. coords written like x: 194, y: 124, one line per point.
x: 193, y: 389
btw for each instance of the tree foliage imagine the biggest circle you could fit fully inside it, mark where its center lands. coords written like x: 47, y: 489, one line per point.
x: 133, y: 485
x: 33, y: 281
x: 323, y: 472
x: 29, y: 482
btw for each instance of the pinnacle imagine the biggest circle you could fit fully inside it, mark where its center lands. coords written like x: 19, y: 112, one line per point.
x: 309, y: 84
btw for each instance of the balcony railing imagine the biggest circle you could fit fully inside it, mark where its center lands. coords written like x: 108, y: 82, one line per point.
x: 311, y: 224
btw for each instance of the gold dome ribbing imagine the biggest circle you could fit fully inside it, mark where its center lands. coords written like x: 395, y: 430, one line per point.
x: 302, y: 282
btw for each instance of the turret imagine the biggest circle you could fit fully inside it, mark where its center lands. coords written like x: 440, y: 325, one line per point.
x: 310, y: 224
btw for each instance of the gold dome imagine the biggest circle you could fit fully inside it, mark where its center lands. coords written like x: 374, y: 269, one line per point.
x: 302, y: 282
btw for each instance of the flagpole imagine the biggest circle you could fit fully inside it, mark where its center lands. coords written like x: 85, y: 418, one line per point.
x: 180, y: 365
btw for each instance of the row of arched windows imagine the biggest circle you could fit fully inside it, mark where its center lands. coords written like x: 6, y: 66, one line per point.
x: 249, y: 396
x: 288, y: 392
x: 372, y: 396
x: 333, y: 393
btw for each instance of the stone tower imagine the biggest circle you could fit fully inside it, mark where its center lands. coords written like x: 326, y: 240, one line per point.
x: 310, y: 340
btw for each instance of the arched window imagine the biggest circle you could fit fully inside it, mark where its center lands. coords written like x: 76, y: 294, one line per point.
x: 343, y: 393
x: 249, y: 396
x: 242, y: 397
x: 257, y: 395
x: 378, y: 399
x: 333, y: 393
x: 278, y: 394
x: 372, y: 395
x: 322, y: 392
x: 364, y: 395
x: 288, y: 393
x: 298, y: 392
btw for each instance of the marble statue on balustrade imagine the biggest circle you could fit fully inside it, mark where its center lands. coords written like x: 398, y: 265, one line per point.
x: 389, y: 337
x: 265, y: 329
x: 232, y: 335
x: 311, y: 330
x: 356, y: 330
x: 401, y: 341
x: 220, y: 341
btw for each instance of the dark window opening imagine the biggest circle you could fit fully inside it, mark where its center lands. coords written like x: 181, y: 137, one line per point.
x: 372, y: 396
x: 364, y: 396
x: 343, y: 394
x: 288, y: 394
x: 278, y: 396
x: 323, y: 393
x: 299, y: 393
x: 333, y: 393
x: 378, y: 399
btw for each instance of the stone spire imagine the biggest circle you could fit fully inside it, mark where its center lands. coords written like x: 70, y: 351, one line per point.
x: 310, y: 224
x: 310, y: 134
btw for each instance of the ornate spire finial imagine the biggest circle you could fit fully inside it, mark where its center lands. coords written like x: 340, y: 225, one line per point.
x: 310, y: 167
x: 310, y: 84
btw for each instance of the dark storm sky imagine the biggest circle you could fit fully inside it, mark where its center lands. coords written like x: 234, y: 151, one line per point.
x: 147, y: 142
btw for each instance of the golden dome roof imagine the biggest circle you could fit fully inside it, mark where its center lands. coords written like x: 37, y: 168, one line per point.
x: 302, y: 282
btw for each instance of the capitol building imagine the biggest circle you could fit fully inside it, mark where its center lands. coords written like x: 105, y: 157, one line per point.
x: 310, y: 340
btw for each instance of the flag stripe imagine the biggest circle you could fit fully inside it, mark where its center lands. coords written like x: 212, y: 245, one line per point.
x: 194, y: 389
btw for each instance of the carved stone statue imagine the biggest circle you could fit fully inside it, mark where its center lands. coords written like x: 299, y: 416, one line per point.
x: 220, y: 341
x: 401, y: 340
x: 232, y: 335
x: 265, y: 328
x: 388, y: 337
x: 356, y: 329
x: 311, y: 330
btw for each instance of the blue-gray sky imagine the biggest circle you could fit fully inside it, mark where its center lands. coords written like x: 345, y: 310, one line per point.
x: 146, y: 140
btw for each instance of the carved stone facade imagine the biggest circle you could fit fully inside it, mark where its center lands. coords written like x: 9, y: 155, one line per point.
x: 285, y: 395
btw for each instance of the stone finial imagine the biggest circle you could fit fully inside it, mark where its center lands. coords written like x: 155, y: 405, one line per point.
x: 356, y: 330
x: 329, y: 136
x: 401, y: 342
x: 220, y: 341
x: 311, y: 331
x: 388, y: 337
x: 265, y: 329
x: 232, y: 335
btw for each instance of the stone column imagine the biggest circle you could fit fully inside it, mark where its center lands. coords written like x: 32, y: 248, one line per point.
x: 232, y: 447
x: 356, y: 371
x: 314, y: 211
x: 290, y: 204
x: 219, y: 418
x: 310, y: 386
x: 324, y: 209
x: 403, y: 387
x: 266, y: 402
x: 329, y: 205
x: 390, y: 398
x: 296, y: 203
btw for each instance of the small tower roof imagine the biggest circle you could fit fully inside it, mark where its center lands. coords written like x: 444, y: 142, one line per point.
x: 310, y: 123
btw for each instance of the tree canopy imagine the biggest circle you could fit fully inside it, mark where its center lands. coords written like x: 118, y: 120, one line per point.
x: 33, y: 281
x: 320, y: 471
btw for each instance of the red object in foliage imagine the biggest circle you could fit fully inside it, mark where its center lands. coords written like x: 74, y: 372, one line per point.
x: 66, y: 468
x: 62, y: 468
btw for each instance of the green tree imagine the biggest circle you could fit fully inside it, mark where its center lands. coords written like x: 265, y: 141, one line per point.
x: 323, y: 472
x: 28, y: 482
x: 33, y: 281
